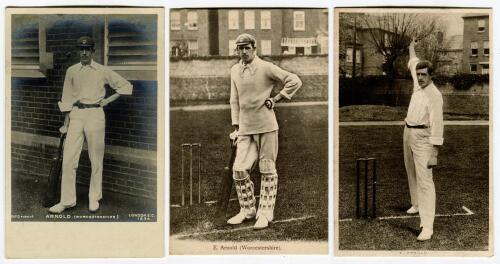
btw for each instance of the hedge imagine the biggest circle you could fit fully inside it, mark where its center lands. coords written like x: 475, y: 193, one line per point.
x: 462, y: 81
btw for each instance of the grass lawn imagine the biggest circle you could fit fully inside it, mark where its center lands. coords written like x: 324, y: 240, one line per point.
x: 302, y: 168
x: 461, y: 179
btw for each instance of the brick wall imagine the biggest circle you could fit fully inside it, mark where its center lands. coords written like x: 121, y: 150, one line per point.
x: 201, y: 34
x: 209, y: 80
x: 471, y: 34
x: 136, y: 176
x: 274, y: 34
x: 131, y: 121
x: 315, y: 19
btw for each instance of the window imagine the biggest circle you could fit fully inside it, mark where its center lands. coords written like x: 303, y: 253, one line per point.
x: 232, y: 47
x: 486, y: 48
x: 299, y: 23
x: 175, y: 21
x: 473, y: 48
x: 349, y: 55
x: 131, y: 40
x: 25, y: 45
x: 485, y: 68
x: 265, y: 47
x: 175, y: 49
x: 192, y: 19
x: 249, y: 19
x: 193, y: 48
x: 299, y: 50
x: 28, y: 47
x: 473, y: 68
x: 481, y: 25
x: 233, y: 20
x: 130, y: 45
x: 265, y: 19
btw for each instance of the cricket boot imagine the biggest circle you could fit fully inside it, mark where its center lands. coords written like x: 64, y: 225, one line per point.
x: 426, y: 234
x: 268, y: 191
x: 412, y: 210
x: 59, y: 208
x: 245, y: 190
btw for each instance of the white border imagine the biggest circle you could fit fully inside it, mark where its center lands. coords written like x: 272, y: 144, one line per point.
x: 262, y: 3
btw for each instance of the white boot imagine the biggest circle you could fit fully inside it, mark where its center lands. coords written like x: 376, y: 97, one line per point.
x: 412, y: 210
x: 426, y: 234
x: 268, y: 190
x: 59, y: 208
x: 261, y: 223
x: 242, y: 216
x: 246, y: 198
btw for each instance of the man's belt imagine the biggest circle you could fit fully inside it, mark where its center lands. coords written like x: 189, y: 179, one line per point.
x: 83, y: 106
x: 417, y: 127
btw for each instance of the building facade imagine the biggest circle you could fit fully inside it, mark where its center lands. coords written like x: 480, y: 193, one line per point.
x: 476, y: 46
x: 278, y: 31
x: 193, y: 32
x: 368, y: 60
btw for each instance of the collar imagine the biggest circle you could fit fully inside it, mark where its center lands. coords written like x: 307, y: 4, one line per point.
x: 92, y: 65
x: 420, y: 88
x: 252, y: 66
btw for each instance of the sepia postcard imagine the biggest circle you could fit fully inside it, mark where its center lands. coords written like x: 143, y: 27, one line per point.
x: 248, y: 131
x: 413, y: 138
x: 84, y: 132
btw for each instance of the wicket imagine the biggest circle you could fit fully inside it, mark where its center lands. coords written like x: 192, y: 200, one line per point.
x: 188, y: 147
x: 365, y: 163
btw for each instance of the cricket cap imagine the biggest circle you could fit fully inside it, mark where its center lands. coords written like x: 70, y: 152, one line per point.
x: 245, y: 39
x: 85, y: 41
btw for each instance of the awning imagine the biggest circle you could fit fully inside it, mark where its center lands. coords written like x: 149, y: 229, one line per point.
x: 298, y: 42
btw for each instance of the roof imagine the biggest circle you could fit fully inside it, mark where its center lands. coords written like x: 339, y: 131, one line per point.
x: 474, y: 15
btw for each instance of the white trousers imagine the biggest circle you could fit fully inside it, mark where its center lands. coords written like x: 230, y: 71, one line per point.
x: 417, y: 152
x: 254, y: 148
x: 86, y: 123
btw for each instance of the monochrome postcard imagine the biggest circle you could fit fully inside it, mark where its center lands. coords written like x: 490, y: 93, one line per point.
x: 248, y: 131
x: 413, y: 133
x: 84, y: 126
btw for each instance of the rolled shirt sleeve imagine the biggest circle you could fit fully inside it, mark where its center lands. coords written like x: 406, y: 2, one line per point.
x: 291, y: 82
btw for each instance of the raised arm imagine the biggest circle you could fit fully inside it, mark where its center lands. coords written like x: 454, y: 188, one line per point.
x: 412, y: 63
x: 411, y: 49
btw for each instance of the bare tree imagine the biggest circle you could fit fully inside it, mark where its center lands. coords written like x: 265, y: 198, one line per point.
x: 391, y: 33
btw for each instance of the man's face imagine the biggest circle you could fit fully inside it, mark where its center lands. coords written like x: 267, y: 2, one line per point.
x: 246, y: 52
x: 423, y: 77
x: 86, y: 54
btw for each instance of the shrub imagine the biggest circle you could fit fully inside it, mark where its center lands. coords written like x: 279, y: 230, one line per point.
x: 363, y: 82
x: 466, y: 81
